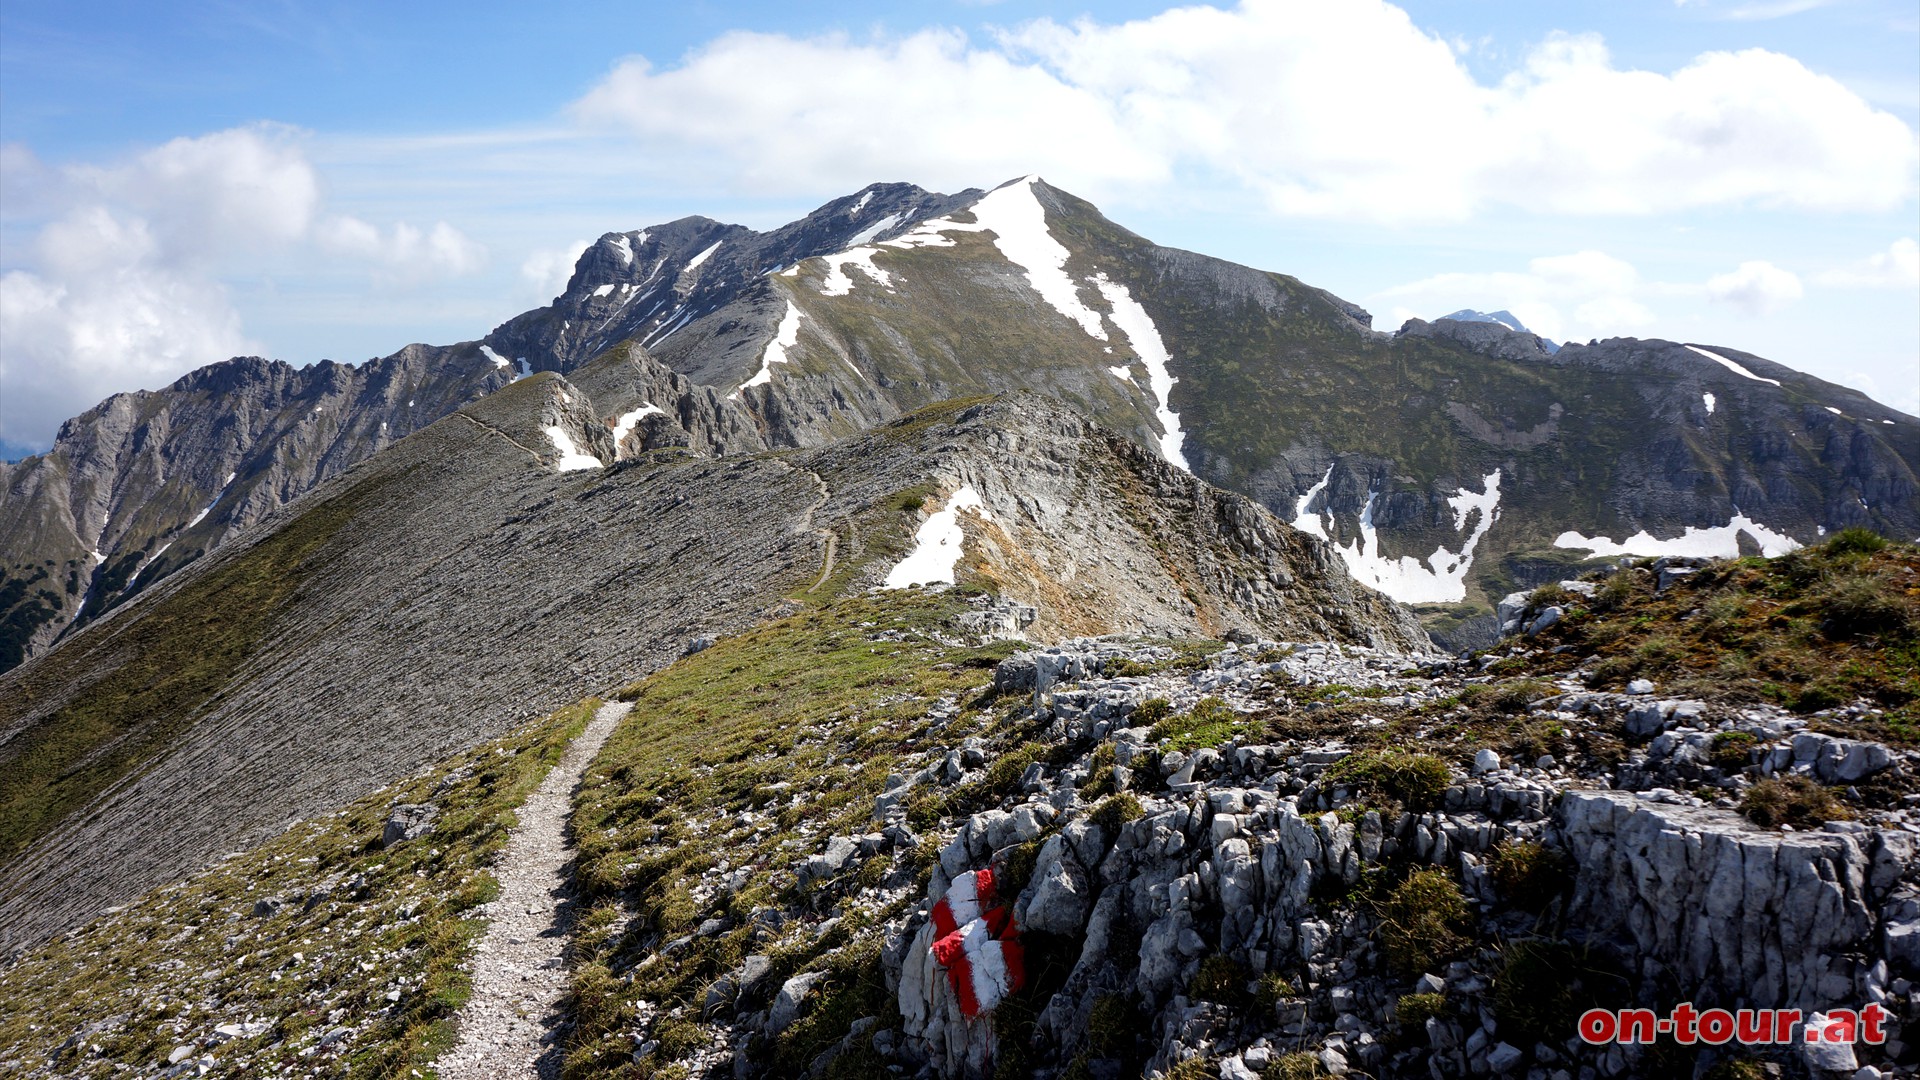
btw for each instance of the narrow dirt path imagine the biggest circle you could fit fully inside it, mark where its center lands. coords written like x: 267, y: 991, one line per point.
x: 509, y: 1028
x: 496, y: 431
x: 827, y: 536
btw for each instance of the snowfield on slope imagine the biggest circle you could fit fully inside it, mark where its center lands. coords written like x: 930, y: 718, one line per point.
x: 786, y: 337
x: 937, y: 544
x: 1712, y: 542
x: 1441, y: 578
x: 570, y: 456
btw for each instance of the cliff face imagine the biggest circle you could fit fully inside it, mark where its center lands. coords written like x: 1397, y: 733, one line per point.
x: 147, y: 482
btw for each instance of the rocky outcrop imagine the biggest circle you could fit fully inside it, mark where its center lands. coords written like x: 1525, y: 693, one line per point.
x: 1739, y: 916
x: 1234, y: 852
x: 147, y: 482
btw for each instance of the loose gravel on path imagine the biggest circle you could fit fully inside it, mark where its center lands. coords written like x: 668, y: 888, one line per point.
x: 510, y: 1027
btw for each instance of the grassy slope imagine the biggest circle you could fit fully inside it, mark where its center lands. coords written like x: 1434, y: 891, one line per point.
x: 1819, y: 628
x: 826, y: 701
x: 161, y: 672
x: 382, y: 961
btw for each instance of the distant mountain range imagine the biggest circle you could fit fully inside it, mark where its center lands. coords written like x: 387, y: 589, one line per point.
x: 1505, y: 318
x: 1449, y: 462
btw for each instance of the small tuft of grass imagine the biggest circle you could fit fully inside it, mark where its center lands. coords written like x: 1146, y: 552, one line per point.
x: 1222, y: 981
x: 1298, y: 1065
x: 1115, y: 811
x: 1732, y: 751
x: 1415, y: 781
x: 1792, y: 800
x: 1414, y: 1010
x: 1150, y: 712
x: 1544, y: 985
x: 1529, y: 875
x: 1421, y: 920
x: 1210, y: 723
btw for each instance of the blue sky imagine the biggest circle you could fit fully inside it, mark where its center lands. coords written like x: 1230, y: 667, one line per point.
x: 312, y: 180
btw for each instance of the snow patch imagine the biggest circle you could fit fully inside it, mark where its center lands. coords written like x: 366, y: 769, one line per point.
x: 873, y: 230
x: 1708, y: 398
x: 1712, y: 542
x: 705, y: 255
x: 1442, y: 576
x: 1121, y: 372
x: 1133, y: 321
x: 603, y: 290
x: 625, y: 248
x: 1019, y: 225
x: 937, y: 544
x: 1310, y: 523
x: 837, y: 283
x: 208, y: 509
x: 865, y: 198
x: 148, y: 561
x: 628, y: 421
x: 1833, y: 410
x: 487, y: 351
x: 1731, y: 366
x: 526, y: 369
x: 570, y: 456
x: 776, y: 352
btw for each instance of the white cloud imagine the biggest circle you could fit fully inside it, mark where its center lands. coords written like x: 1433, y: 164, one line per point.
x: 103, y: 317
x: 1757, y: 287
x: 1327, y: 110
x: 548, y: 270
x: 774, y: 113
x: 1768, y: 9
x: 122, y: 287
x: 239, y: 189
x: 1583, y: 295
x: 1896, y: 267
x: 1588, y: 294
x: 403, y: 254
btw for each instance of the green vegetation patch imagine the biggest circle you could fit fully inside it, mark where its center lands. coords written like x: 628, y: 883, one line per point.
x: 1792, y: 800
x: 1394, y: 777
x: 318, y: 931
x: 1209, y: 723
x: 737, y: 765
x: 161, y: 672
x: 1421, y: 921
x: 1819, y: 628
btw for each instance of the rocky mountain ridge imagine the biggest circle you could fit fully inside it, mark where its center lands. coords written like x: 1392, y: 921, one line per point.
x: 1450, y: 462
x: 514, y: 555
x: 146, y: 482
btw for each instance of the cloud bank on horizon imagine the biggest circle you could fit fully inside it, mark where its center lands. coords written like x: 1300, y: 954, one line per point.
x: 122, y: 273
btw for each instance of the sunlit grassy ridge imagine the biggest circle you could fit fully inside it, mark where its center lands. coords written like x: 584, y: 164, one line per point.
x: 737, y: 763
x: 1821, y: 627
x: 377, y: 955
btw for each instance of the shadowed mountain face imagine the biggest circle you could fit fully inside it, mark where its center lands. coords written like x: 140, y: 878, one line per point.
x: 1450, y: 462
